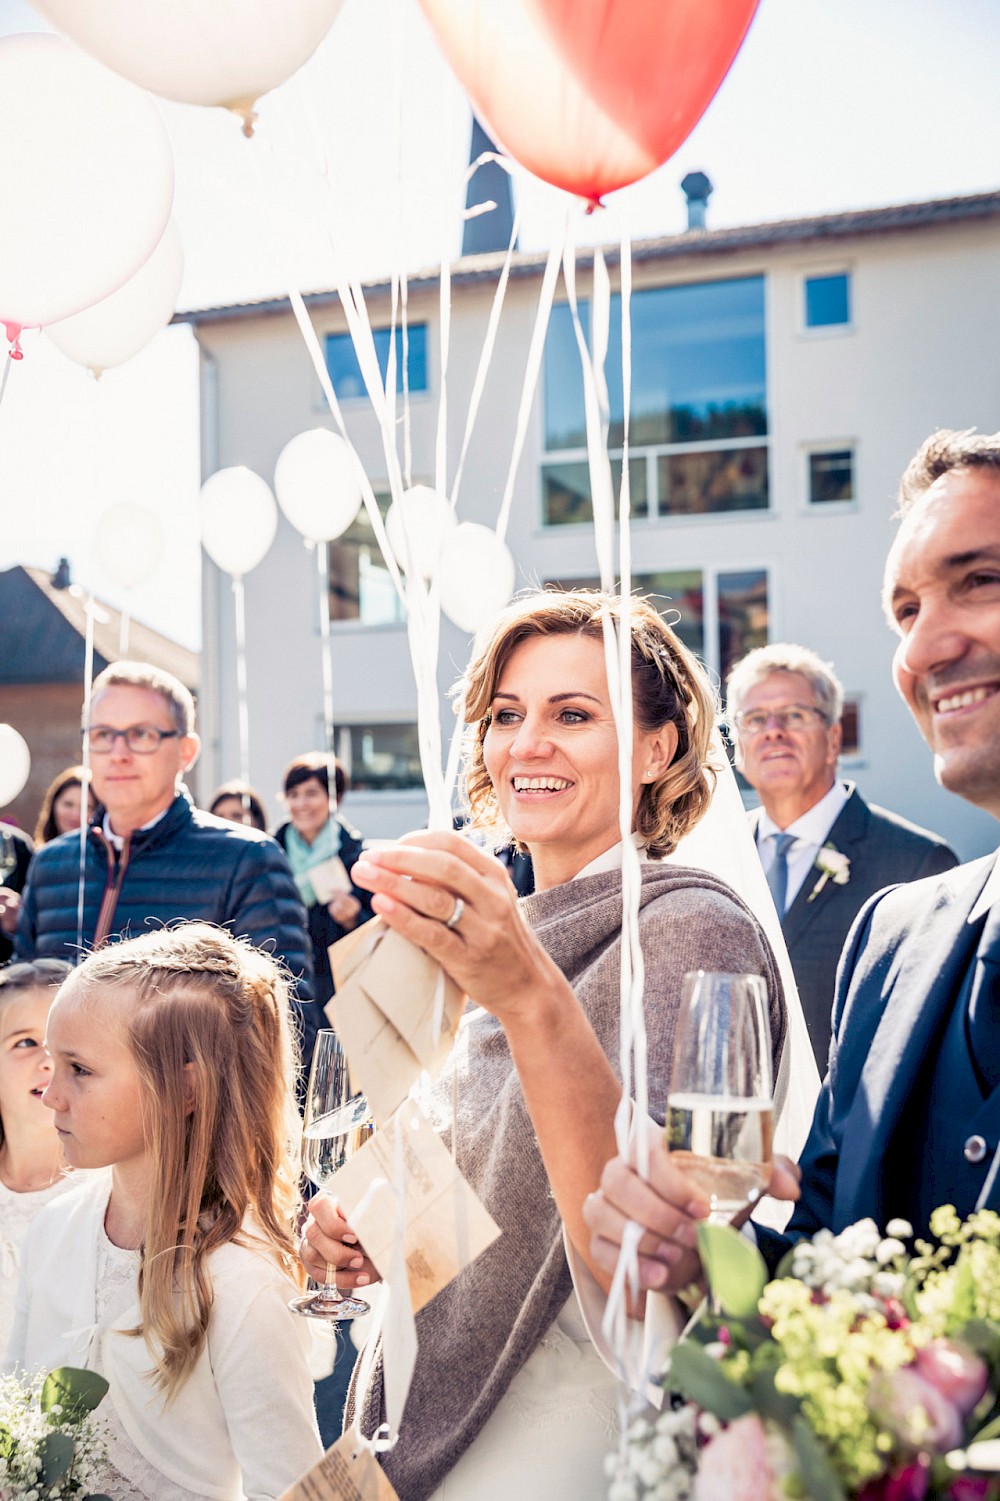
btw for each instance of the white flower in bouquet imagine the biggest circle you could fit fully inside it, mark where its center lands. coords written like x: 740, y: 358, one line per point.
x: 51, y: 1444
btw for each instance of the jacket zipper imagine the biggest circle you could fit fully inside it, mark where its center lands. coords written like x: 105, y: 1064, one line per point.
x: 117, y: 865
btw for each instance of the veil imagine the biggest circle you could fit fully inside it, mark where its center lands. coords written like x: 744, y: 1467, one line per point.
x: 723, y: 844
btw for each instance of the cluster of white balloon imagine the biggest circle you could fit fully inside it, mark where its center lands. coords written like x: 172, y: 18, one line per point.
x: 15, y: 763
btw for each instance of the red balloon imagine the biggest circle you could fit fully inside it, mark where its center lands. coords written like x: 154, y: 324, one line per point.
x: 590, y: 95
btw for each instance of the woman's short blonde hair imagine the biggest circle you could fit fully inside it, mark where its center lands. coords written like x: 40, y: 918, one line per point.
x: 669, y: 686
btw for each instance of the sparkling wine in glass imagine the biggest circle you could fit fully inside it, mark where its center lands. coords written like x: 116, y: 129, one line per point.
x: 8, y: 855
x: 720, y: 1102
x: 337, y: 1122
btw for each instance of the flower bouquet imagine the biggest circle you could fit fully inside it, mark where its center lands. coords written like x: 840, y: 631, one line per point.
x: 50, y: 1442
x: 865, y: 1371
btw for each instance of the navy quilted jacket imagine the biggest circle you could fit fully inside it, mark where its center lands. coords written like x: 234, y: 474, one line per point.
x: 190, y: 865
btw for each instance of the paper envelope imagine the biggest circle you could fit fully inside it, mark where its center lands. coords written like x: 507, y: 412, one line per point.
x: 388, y: 993
x: 445, y: 1225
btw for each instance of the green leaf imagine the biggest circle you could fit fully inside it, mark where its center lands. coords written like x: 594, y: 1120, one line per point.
x: 56, y: 1453
x: 76, y: 1392
x: 699, y: 1378
x: 736, y: 1271
x: 8, y: 1443
x: 781, y: 1407
x: 818, y: 1476
x: 989, y: 1430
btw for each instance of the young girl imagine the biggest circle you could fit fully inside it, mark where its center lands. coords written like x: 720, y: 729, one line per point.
x: 31, y: 1160
x: 172, y: 1062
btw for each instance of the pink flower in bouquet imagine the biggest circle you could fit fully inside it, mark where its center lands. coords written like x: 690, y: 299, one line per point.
x: 971, y: 1488
x: 915, y: 1411
x: 909, y: 1484
x: 736, y: 1465
x: 956, y: 1371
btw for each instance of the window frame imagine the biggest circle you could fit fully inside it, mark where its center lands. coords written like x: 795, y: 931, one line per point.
x: 827, y: 330
x: 828, y: 507
x: 353, y: 403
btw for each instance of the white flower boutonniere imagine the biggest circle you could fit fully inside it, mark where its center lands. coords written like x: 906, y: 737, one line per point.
x: 833, y: 866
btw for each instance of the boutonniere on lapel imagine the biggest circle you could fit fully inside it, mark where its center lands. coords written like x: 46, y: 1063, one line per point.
x: 832, y: 866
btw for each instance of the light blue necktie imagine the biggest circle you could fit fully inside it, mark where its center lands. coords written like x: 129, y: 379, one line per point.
x: 777, y: 875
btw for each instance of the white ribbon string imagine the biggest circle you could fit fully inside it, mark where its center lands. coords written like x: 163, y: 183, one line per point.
x: 88, y: 683
x: 242, y: 707
x: 326, y: 653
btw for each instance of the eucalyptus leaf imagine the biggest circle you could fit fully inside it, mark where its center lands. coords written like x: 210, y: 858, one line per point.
x: 77, y: 1392
x: 698, y: 1378
x: 818, y: 1476
x: 56, y: 1453
x: 736, y: 1271
x: 780, y: 1407
x: 8, y: 1443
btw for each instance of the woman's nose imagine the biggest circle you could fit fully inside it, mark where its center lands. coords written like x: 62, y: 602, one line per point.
x: 530, y: 740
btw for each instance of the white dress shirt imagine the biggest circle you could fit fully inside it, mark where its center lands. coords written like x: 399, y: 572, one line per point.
x: 810, y: 833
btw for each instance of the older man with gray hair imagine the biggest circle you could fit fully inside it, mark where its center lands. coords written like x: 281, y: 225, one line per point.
x: 825, y: 851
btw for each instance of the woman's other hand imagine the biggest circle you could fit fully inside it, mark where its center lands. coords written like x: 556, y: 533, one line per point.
x: 10, y: 906
x: 328, y: 1241
x: 668, y: 1207
x: 345, y: 909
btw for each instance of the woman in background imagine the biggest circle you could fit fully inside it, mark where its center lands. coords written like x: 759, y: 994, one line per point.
x: 60, y: 810
x: 237, y: 802
x: 321, y: 849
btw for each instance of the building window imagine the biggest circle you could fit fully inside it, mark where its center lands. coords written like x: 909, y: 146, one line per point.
x: 831, y: 476
x: 720, y: 616
x: 380, y: 757
x: 698, y: 422
x: 361, y: 587
x: 850, y: 726
x: 345, y: 371
x: 827, y: 300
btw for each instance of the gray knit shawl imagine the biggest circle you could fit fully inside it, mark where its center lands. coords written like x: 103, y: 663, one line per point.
x: 478, y: 1332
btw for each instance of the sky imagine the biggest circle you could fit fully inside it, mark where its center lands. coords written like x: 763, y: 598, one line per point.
x: 831, y: 104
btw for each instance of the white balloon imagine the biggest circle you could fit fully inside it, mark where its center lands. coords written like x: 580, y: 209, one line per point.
x: 476, y: 575
x: 225, y: 52
x: 129, y: 543
x: 421, y: 518
x: 15, y: 763
x: 318, y: 485
x: 238, y: 519
x: 117, y: 327
x: 86, y: 180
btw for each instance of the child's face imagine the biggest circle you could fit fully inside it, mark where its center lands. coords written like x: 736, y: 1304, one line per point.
x: 95, y: 1090
x: 25, y: 1066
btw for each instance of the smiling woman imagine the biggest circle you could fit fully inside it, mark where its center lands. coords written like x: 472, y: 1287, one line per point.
x: 507, y: 1385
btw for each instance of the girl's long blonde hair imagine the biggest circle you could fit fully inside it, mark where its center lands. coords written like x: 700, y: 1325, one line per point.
x: 207, y: 1022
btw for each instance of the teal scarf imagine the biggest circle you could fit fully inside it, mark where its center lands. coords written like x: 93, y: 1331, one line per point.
x: 302, y: 856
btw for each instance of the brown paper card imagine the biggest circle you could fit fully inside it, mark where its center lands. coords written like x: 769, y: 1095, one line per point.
x: 383, y: 1012
x: 381, y: 1064
x: 329, y: 877
x: 445, y: 1225
x: 342, y: 1475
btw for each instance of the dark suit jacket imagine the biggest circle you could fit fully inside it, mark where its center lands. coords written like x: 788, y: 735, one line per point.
x: 903, y: 966
x: 883, y: 850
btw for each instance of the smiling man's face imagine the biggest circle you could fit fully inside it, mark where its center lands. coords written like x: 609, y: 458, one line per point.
x: 942, y: 594
x: 790, y: 769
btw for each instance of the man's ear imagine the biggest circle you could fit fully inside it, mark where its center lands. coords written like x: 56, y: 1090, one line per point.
x: 835, y: 737
x: 190, y: 750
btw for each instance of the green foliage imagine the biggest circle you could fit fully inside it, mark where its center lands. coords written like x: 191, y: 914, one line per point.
x: 56, y: 1453
x: 736, y: 1271
x: 75, y: 1391
x: 700, y: 1378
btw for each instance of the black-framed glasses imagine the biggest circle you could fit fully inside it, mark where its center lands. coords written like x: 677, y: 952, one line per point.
x: 141, y: 739
x: 792, y: 717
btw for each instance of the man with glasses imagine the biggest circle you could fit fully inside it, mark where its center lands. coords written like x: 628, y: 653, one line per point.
x: 152, y: 857
x: 824, y: 850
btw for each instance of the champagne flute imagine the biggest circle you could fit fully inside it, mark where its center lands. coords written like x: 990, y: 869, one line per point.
x: 720, y: 1101
x: 8, y: 855
x: 337, y: 1122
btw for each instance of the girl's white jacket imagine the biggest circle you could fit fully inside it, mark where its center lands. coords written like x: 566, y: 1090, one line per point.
x: 243, y: 1424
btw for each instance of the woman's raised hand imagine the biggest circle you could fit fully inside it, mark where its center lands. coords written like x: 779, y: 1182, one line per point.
x: 668, y: 1208
x: 457, y: 903
x: 328, y: 1241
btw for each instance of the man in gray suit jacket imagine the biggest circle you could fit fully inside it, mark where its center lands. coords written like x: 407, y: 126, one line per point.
x: 824, y: 849
x: 909, y: 1114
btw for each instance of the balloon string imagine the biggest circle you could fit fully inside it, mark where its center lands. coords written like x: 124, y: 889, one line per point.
x: 88, y: 680
x: 239, y: 598
x: 323, y: 566
x: 123, y: 633
x: 13, y: 354
x: 532, y: 368
x: 441, y: 438
x: 486, y: 356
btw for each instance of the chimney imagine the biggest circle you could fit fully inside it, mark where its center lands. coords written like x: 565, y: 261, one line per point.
x: 697, y: 189
x: 61, y: 579
x: 492, y: 230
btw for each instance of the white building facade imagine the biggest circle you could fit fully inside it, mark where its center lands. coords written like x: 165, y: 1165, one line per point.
x: 783, y: 375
